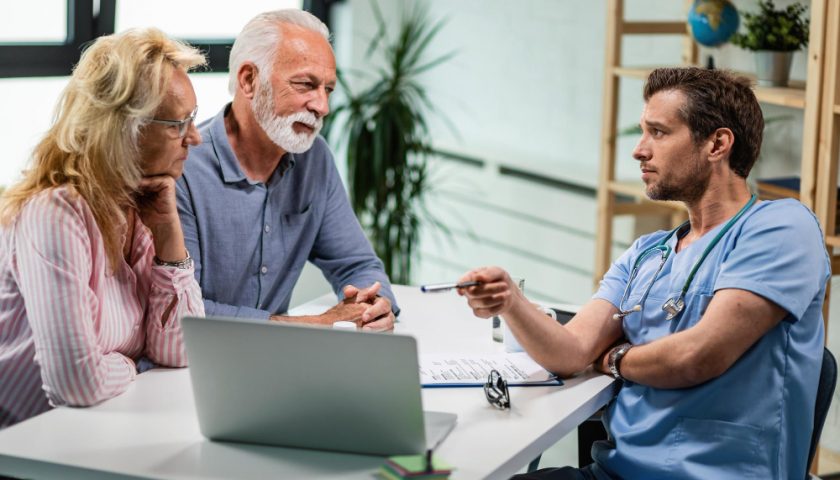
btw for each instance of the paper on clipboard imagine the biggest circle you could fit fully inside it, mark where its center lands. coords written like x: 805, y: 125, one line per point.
x: 471, y: 370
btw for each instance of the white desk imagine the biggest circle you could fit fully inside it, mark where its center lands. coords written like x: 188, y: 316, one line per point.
x: 151, y: 431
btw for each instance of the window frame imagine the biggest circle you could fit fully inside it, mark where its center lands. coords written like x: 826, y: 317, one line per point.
x: 41, y: 59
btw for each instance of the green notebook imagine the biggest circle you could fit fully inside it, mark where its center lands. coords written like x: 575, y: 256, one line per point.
x: 414, y: 466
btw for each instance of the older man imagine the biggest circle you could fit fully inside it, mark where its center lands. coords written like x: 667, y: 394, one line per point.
x: 715, y: 327
x: 261, y: 195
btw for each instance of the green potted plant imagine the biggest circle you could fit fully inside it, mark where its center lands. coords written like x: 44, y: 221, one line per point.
x: 387, y: 142
x: 774, y: 34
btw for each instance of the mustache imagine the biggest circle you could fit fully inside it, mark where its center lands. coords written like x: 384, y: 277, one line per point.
x: 307, y: 118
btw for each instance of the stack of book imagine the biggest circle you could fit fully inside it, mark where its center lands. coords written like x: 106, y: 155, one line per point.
x: 424, y: 467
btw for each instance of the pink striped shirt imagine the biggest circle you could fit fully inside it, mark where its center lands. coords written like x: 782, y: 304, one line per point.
x: 70, y: 332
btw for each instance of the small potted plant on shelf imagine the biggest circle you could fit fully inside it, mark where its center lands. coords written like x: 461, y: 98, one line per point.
x: 774, y: 35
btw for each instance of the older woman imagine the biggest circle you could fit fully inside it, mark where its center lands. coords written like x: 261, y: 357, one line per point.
x: 94, y: 274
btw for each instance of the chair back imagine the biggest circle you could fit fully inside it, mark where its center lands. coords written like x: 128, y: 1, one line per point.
x: 825, y: 390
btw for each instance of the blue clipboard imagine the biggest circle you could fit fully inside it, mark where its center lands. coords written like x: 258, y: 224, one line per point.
x: 554, y: 382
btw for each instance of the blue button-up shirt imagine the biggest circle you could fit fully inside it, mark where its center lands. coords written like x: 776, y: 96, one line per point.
x: 250, y: 240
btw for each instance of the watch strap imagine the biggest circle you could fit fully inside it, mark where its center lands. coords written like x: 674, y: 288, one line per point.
x: 614, y: 360
x: 184, y: 264
x: 549, y: 311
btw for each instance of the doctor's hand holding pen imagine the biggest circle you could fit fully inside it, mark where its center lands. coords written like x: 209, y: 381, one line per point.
x: 495, y: 294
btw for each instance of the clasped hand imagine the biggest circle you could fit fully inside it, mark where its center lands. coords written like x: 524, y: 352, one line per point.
x: 364, y: 307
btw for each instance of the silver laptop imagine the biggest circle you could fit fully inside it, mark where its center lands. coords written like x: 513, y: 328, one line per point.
x: 299, y: 386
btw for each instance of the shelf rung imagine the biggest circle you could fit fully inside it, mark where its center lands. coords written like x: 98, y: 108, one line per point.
x: 793, y: 97
x: 629, y: 72
x: 631, y: 189
x: 783, y: 96
x: 835, y: 264
x: 642, y: 208
x: 654, y: 28
x: 832, y: 240
x: 636, y: 190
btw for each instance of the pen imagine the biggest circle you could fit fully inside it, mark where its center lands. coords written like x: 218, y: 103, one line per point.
x: 429, y: 465
x: 442, y: 287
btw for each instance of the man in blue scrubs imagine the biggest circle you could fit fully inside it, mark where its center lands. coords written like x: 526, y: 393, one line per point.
x: 715, y: 327
x: 261, y: 195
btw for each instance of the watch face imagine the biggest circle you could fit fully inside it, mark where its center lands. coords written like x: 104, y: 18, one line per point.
x: 563, y: 316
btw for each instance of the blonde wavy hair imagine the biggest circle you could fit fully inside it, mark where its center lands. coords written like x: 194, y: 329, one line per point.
x: 92, y: 145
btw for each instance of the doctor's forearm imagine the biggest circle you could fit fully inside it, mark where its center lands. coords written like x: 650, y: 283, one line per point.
x: 670, y: 362
x: 550, y: 344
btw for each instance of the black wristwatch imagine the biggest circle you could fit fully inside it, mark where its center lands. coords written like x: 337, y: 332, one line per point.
x: 614, y: 360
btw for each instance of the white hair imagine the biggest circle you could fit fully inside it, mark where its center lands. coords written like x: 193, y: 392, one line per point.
x: 260, y: 38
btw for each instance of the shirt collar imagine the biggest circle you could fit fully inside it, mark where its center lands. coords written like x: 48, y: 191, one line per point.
x: 231, y: 170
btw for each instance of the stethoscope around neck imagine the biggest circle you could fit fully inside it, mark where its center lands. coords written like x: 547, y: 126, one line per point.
x: 674, y: 305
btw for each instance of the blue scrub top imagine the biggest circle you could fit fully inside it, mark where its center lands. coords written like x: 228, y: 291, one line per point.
x: 755, y: 420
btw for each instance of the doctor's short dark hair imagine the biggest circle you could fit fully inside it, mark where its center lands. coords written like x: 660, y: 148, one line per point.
x: 715, y: 99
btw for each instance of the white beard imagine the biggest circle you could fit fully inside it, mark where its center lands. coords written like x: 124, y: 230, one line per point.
x: 279, y: 128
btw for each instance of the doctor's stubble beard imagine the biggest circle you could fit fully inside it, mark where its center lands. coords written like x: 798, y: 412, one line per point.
x: 688, y: 187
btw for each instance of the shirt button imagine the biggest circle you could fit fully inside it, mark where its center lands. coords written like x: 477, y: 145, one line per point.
x: 264, y: 269
x: 267, y: 228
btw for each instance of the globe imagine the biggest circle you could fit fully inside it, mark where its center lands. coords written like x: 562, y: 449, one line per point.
x: 712, y: 22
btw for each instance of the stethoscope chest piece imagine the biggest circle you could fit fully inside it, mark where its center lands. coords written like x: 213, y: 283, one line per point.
x: 673, y: 307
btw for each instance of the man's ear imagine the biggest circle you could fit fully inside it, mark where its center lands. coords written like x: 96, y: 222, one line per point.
x: 721, y: 142
x: 247, y: 78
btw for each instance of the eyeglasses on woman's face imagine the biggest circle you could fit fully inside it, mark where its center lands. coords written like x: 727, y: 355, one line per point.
x: 181, y: 126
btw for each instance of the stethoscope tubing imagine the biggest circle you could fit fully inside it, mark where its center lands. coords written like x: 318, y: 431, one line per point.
x: 665, y: 250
